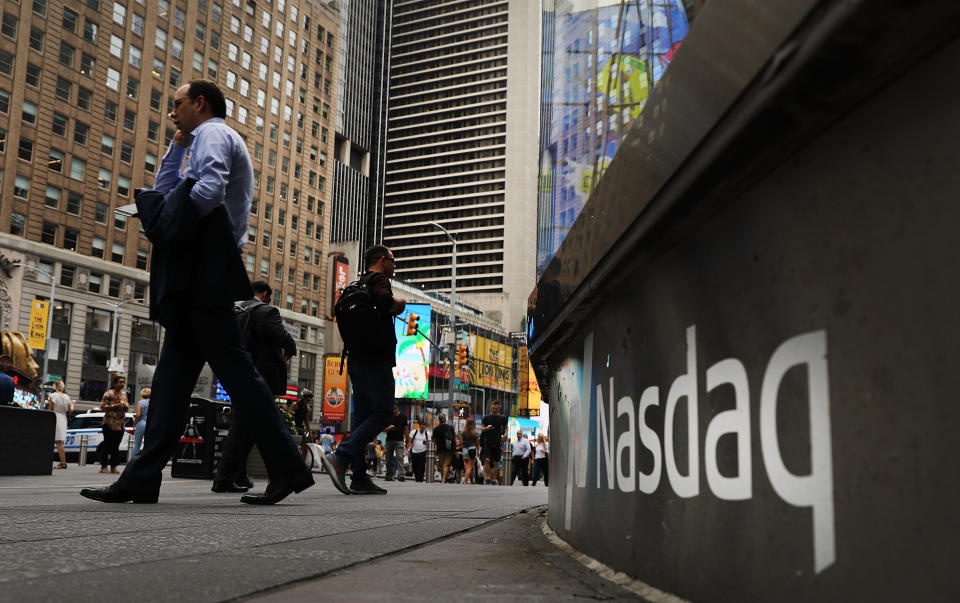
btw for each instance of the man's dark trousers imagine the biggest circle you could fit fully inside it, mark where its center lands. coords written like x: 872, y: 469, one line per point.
x: 373, y: 388
x: 520, y: 469
x: 195, y: 335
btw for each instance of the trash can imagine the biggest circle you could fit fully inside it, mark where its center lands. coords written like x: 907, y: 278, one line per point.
x: 201, y: 445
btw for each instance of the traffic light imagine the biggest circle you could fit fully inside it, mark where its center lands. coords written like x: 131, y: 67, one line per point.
x: 413, y: 321
x: 461, y: 359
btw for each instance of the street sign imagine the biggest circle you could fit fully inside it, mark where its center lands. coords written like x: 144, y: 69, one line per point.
x: 37, y: 336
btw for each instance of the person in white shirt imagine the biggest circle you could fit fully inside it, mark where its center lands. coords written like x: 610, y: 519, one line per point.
x: 521, y: 457
x: 417, y: 440
x: 541, y: 461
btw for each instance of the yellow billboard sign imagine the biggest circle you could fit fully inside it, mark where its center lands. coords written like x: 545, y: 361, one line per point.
x: 492, y: 364
x: 37, y: 335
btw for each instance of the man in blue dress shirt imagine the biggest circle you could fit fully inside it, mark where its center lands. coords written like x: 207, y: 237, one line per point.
x: 202, y: 327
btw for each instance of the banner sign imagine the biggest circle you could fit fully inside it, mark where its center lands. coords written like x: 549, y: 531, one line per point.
x: 37, y: 337
x: 334, y: 389
x: 491, y: 363
x: 413, y: 354
x: 341, y: 277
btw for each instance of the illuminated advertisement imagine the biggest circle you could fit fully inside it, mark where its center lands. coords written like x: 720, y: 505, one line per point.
x: 413, y: 353
x: 491, y: 364
x: 334, y: 388
x: 601, y: 59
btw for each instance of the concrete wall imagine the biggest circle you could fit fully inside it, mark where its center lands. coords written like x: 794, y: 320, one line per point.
x: 754, y: 401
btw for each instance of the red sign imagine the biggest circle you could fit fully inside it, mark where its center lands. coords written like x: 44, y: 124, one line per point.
x: 341, y: 276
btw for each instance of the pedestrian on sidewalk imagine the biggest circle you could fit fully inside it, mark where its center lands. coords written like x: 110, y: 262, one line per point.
x: 418, y: 451
x: 444, y: 437
x: 114, y: 405
x: 541, y: 461
x: 140, y: 420
x: 397, y: 432
x: 492, y: 435
x: 271, y: 346
x: 197, y: 223
x: 60, y: 403
x: 521, y: 459
x: 371, y: 372
x: 469, y: 441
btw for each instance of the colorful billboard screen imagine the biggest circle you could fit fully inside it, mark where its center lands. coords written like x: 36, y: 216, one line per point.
x: 413, y: 353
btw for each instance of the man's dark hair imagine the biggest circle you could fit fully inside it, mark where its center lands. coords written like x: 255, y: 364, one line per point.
x: 211, y: 93
x: 261, y: 287
x: 374, y: 253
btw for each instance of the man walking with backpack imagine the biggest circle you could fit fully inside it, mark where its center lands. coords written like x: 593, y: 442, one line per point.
x: 371, y: 349
x: 444, y: 437
x: 271, y: 346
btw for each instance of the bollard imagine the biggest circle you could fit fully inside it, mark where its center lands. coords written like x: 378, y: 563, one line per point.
x: 82, y: 460
x: 431, y: 464
x: 507, y: 464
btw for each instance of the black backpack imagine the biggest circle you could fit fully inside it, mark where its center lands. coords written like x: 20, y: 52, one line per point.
x: 357, y: 317
x: 244, y: 312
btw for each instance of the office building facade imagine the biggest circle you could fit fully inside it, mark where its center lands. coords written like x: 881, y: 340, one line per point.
x: 462, y: 149
x: 85, y: 89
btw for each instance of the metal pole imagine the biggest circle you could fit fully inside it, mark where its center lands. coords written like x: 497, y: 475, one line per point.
x: 82, y: 457
x: 431, y: 462
x: 453, y: 309
x: 113, y: 338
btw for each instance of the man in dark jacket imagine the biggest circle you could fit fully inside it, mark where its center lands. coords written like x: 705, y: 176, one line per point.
x: 196, y: 218
x: 371, y: 373
x: 271, y: 346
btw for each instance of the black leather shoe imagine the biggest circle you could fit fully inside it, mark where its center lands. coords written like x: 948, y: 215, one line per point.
x: 244, y: 482
x: 222, y: 487
x: 336, y: 471
x: 365, y: 486
x: 113, y: 494
x: 280, y: 488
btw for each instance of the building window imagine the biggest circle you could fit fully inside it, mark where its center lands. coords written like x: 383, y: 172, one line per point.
x: 70, y: 239
x: 87, y: 64
x: 150, y: 162
x: 136, y: 24
x: 119, y: 13
x: 80, y: 132
x: 133, y: 87
x: 123, y: 186
x: 119, y: 222
x: 113, y: 79
x: 29, y: 112
x: 9, y: 26
x: 59, y: 124
x: 63, y: 88
x: 100, y: 213
x: 97, y: 246
x: 48, y: 233
x: 104, y: 178
x: 126, y: 152
x: 6, y: 63
x: 90, y: 31
x: 116, y: 253
x: 142, y: 257
x: 84, y: 98
x: 74, y: 202
x: 52, y: 198
x: 153, y: 130
x: 25, y: 151
x: 110, y: 110
x: 67, y: 273
x: 95, y: 282
x: 55, y: 161
x: 135, y: 56
x: 129, y: 120
x: 33, y: 75
x: 78, y: 168
x: 106, y: 144
x: 21, y: 187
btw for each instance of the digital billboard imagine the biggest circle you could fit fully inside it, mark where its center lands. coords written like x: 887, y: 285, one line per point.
x: 601, y: 59
x: 413, y: 353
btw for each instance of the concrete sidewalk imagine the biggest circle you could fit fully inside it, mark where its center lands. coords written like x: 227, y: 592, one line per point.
x: 198, y: 546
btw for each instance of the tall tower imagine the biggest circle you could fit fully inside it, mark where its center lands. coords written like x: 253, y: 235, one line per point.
x: 462, y: 149
x: 357, y: 215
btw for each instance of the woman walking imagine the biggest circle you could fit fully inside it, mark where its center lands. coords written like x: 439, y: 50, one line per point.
x: 541, y: 461
x: 418, y: 451
x: 60, y: 403
x: 114, y: 406
x: 469, y: 440
x: 140, y: 419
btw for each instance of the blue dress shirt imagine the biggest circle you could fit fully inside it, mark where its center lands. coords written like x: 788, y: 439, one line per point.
x: 221, y: 165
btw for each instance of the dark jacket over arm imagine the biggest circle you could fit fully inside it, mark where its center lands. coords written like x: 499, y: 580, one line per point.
x: 195, y: 261
x: 271, y: 342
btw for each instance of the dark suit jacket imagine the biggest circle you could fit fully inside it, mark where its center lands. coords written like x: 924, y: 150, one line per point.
x: 195, y: 261
x: 269, y: 342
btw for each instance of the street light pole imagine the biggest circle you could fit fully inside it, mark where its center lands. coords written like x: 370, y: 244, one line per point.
x: 453, y: 306
x: 116, y: 324
x: 483, y: 408
x: 53, y: 289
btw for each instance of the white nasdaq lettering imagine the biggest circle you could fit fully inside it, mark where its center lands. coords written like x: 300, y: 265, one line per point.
x: 605, y: 436
x: 626, y: 441
x: 684, y: 386
x: 648, y: 482
x: 814, y: 490
x: 735, y: 421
